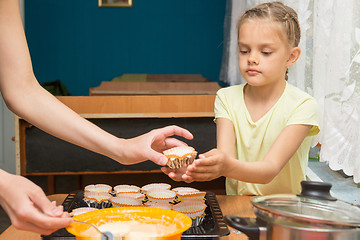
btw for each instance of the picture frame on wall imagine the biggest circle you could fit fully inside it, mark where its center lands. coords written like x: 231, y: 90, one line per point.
x: 115, y: 3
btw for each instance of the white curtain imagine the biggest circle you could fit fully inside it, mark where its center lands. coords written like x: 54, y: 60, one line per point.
x: 328, y: 69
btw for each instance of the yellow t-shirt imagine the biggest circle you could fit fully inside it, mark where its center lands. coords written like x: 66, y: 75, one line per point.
x: 254, y: 139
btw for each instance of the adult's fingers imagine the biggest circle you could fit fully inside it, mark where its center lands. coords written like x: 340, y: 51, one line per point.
x: 39, y: 199
x: 50, y: 216
x: 175, y: 130
x: 31, y: 219
x: 51, y: 223
x: 173, y: 142
x: 31, y: 227
x: 157, y: 157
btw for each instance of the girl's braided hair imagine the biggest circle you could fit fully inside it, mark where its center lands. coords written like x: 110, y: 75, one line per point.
x: 278, y: 12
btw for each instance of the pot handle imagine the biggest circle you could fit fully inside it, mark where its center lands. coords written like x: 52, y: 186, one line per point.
x: 316, y: 190
x: 248, y: 226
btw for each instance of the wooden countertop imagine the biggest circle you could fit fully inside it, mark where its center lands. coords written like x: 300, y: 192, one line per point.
x: 109, y: 88
x: 230, y: 205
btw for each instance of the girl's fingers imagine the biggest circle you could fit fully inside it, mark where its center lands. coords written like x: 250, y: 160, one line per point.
x: 201, y: 168
x: 171, y: 174
x: 166, y: 170
x: 200, y: 177
x: 206, y: 161
x: 187, y: 179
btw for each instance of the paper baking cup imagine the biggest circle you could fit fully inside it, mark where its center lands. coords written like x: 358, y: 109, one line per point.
x: 98, y: 188
x: 180, y: 156
x: 125, y: 202
x: 138, y: 195
x: 193, y: 209
x: 147, y: 187
x: 126, y: 189
x: 183, y: 195
x: 161, y: 195
x: 184, y: 189
x: 97, y: 199
x: 81, y: 210
x: 159, y: 205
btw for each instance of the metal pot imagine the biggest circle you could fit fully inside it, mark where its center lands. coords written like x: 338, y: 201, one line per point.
x: 313, y: 214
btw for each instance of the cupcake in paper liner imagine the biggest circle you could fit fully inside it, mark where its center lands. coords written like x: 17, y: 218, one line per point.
x: 183, y: 195
x: 192, y: 208
x: 147, y: 187
x: 122, y: 201
x: 81, y: 210
x: 138, y: 195
x: 126, y: 189
x: 180, y: 156
x: 98, y: 188
x: 97, y: 199
x: 161, y: 195
x: 159, y: 205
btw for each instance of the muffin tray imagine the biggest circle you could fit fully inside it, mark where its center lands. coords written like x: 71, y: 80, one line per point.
x: 213, y: 225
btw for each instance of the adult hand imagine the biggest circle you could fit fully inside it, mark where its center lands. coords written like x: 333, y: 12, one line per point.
x: 28, y: 207
x: 150, y: 146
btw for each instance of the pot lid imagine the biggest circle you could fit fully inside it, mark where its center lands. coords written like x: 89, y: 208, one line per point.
x: 311, y: 208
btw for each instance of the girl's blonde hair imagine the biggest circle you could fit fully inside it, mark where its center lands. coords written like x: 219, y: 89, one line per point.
x: 278, y: 12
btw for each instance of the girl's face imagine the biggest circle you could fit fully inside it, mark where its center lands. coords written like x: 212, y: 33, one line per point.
x: 264, y: 53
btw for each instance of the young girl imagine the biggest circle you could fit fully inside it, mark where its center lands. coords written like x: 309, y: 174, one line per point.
x: 265, y: 126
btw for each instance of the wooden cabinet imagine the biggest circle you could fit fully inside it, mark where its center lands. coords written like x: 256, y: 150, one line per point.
x: 38, y: 153
x: 155, y: 88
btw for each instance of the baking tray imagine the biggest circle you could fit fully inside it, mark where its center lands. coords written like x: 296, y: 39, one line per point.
x: 213, y: 225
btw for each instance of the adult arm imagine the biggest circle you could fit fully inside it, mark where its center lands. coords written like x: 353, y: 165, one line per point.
x: 25, y: 97
x: 24, y: 202
x: 27, y: 206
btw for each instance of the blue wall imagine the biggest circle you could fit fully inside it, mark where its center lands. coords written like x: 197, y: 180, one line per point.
x: 81, y: 44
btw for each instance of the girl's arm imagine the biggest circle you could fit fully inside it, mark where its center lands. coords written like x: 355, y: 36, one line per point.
x: 225, y: 136
x: 222, y: 162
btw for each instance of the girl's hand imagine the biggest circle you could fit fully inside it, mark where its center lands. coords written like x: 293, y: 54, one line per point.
x: 175, y: 174
x: 209, y: 166
x: 27, y: 206
x: 150, y: 146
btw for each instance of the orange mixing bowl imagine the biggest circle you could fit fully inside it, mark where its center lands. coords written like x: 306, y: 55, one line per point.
x: 148, y: 215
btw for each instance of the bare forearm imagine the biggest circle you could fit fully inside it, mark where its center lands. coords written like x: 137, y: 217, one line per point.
x: 253, y: 172
x: 26, y: 98
x: 275, y: 159
x: 43, y: 110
